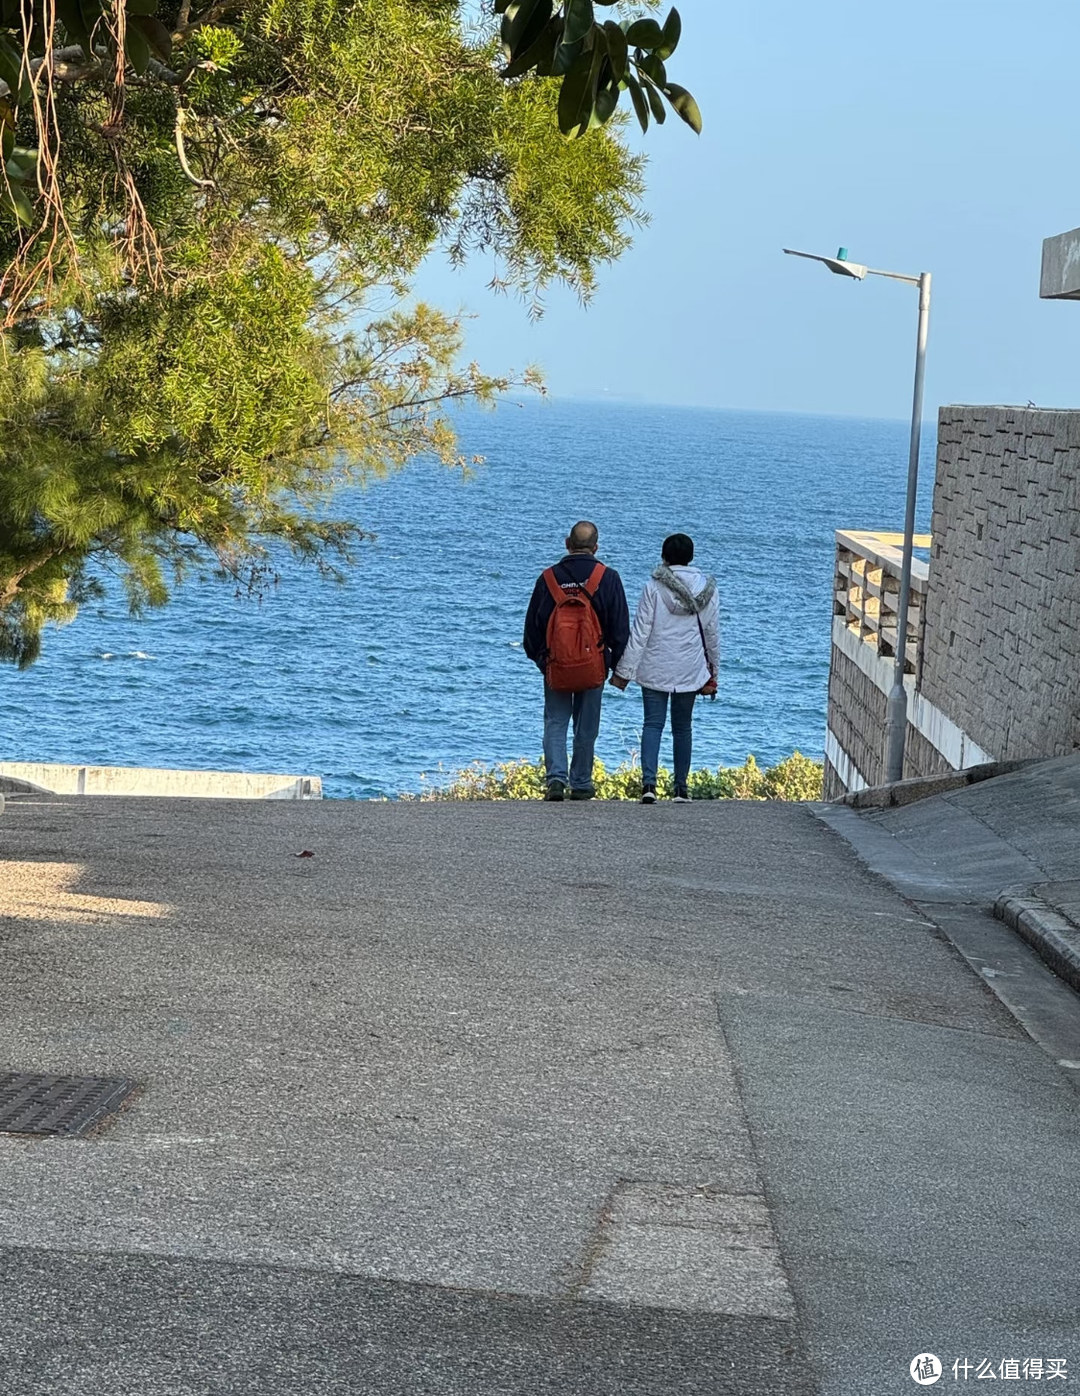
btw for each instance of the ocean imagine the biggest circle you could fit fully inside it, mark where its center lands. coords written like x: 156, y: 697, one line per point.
x: 413, y: 668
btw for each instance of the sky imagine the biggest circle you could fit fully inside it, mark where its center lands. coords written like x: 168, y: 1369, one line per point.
x: 929, y: 135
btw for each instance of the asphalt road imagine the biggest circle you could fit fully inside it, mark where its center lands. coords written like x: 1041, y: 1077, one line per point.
x: 511, y: 1098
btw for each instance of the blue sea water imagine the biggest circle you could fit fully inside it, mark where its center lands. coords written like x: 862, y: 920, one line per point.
x: 415, y: 665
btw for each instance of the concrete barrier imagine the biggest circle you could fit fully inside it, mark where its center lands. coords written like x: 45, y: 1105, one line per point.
x: 51, y: 779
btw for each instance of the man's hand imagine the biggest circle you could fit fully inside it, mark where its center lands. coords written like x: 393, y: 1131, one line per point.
x: 617, y: 681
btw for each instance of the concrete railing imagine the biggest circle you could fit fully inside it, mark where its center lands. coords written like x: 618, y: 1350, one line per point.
x: 866, y: 600
x: 867, y: 591
x: 141, y: 780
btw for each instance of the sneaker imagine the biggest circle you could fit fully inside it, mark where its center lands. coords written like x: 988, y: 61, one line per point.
x: 648, y: 795
x: 682, y: 795
x: 581, y: 794
x: 556, y: 791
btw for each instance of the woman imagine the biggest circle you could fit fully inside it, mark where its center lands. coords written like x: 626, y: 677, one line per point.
x: 673, y: 653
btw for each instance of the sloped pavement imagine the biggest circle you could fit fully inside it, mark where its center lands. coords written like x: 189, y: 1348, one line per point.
x: 513, y: 1099
x: 1007, y: 847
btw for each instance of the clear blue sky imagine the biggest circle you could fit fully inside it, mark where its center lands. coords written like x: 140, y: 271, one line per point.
x: 933, y: 134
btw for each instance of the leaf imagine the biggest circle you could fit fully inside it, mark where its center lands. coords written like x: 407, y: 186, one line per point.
x: 540, y: 57
x: 566, y: 57
x: 15, y: 198
x: 576, y: 97
x: 654, y: 67
x: 155, y: 33
x: 24, y: 160
x: 671, y: 34
x: 641, y: 105
x: 90, y: 10
x: 579, y: 113
x: 645, y: 33
x: 656, y: 104
x: 618, y: 51
x: 523, y: 24
x: 579, y: 20
x: 70, y: 16
x: 685, y: 105
x: 138, y: 51
x: 10, y: 67
x: 607, y: 99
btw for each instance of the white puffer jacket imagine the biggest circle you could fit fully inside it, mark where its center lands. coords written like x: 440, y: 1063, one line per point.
x: 665, y: 649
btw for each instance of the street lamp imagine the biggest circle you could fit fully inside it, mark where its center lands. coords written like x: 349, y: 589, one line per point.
x: 896, y: 711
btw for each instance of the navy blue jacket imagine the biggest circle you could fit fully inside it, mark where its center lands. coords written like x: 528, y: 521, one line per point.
x: 610, y: 601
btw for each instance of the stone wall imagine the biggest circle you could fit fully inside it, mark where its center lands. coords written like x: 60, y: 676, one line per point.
x: 1001, y: 651
x: 856, y: 720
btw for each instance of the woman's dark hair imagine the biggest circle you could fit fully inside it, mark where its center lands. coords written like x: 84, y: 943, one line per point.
x: 678, y: 550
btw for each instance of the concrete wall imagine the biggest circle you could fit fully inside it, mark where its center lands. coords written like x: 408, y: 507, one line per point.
x: 138, y: 780
x: 1001, y: 651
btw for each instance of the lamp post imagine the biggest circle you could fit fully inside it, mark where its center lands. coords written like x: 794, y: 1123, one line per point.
x: 896, y: 711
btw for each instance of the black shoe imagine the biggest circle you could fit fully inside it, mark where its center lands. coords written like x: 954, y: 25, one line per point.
x: 682, y: 795
x: 648, y: 794
x: 556, y: 791
x: 582, y: 794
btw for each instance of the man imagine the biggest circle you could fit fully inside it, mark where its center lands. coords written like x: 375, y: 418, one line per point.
x: 589, y: 633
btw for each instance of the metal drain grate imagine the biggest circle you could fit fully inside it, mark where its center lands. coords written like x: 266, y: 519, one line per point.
x: 32, y: 1103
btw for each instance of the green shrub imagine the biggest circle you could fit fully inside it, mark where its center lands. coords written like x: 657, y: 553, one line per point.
x: 797, y: 778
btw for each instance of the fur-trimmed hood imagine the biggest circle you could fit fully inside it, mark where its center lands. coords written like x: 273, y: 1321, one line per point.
x: 686, y: 591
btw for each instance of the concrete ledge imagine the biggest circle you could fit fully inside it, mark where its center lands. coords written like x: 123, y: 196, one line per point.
x: 1060, y: 276
x: 906, y: 792
x: 32, y: 777
x: 1053, y: 937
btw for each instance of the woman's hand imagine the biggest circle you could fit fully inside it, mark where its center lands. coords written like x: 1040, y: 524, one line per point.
x: 617, y: 681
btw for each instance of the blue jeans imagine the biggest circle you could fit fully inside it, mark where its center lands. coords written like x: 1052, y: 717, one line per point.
x: 682, y: 732
x: 584, y: 709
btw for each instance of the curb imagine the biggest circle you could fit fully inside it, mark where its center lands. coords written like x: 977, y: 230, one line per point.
x: 1052, y: 936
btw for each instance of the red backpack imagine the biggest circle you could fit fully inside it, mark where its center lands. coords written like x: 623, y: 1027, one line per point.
x: 575, y: 643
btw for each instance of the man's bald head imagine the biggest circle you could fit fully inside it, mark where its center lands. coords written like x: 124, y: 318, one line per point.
x: 583, y: 538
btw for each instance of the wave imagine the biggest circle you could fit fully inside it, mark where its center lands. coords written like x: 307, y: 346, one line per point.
x: 128, y: 654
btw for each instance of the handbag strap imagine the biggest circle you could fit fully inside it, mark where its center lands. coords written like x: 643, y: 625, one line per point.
x: 704, y: 646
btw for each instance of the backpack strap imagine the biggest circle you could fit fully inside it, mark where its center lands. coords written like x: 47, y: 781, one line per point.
x: 557, y: 593
x: 589, y: 587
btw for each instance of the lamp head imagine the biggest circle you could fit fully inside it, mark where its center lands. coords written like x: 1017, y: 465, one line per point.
x: 838, y: 265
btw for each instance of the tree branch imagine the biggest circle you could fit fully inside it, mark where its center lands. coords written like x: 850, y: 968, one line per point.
x: 185, y: 25
x: 181, y: 152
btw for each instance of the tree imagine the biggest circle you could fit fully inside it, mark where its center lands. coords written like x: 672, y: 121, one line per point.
x: 209, y: 217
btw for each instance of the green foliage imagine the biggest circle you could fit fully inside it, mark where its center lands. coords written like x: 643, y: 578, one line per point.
x: 208, y: 224
x: 596, y: 60
x: 796, y: 778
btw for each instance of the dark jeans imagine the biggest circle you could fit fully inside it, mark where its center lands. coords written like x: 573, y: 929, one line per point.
x: 559, y: 709
x: 682, y: 732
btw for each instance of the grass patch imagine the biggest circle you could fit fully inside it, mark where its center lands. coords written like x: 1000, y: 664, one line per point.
x: 797, y: 778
